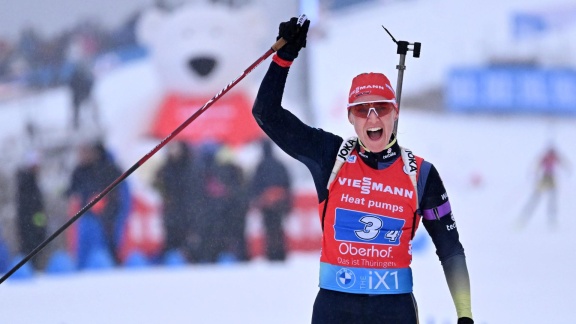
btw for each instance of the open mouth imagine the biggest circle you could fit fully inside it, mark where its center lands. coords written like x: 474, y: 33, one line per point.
x: 375, y: 133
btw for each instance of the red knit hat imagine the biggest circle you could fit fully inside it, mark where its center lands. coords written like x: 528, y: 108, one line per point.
x: 374, y: 84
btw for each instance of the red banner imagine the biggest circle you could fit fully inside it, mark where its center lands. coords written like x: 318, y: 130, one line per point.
x: 229, y: 120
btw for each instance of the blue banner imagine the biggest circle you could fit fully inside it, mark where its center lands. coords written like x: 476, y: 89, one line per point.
x: 511, y: 90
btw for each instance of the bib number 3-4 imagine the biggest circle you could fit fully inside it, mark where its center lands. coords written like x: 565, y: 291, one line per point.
x: 372, y: 226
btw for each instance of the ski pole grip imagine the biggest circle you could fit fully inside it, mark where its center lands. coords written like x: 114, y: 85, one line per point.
x: 281, y: 42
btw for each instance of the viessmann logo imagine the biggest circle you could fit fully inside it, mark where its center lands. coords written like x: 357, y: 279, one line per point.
x: 366, y: 186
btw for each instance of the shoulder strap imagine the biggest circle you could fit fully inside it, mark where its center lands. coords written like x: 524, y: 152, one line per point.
x: 411, y: 168
x: 343, y: 152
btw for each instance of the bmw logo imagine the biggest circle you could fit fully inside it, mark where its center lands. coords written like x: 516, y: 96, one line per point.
x: 345, y: 278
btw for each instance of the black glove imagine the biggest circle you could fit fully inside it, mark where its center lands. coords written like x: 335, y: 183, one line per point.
x: 465, y: 320
x: 294, y: 35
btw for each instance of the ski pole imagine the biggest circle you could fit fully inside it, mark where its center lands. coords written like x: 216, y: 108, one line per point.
x: 402, y: 49
x: 275, y: 47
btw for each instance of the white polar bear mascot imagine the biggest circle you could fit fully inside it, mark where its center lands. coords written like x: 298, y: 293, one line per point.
x: 197, y: 50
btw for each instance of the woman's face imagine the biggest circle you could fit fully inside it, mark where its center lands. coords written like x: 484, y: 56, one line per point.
x: 373, y: 123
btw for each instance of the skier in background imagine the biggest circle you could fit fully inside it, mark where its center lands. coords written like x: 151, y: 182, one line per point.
x: 546, y: 171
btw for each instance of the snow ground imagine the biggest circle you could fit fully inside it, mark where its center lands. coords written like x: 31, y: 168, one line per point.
x: 193, y: 294
x: 518, y: 275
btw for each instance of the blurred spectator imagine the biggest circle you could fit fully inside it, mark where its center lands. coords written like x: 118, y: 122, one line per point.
x: 4, y: 256
x: 42, y: 63
x: 235, y: 206
x: 225, y: 210
x: 43, y: 58
x: 29, y: 46
x: 546, y: 171
x: 31, y: 214
x: 179, y: 183
x: 81, y: 83
x: 90, y: 39
x: 6, y: 57
x: 102, y: 227
x: 271, y: 193
x: 125, y: 35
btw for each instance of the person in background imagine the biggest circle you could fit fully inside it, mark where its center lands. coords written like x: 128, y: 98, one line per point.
x: 235, y: 206
x: 81, y: 83
x: 30, y: 211
x: 271, y: 193
x: 4, y: 255
x: 179, y: 183
x: 370, y: 202
x: 226, y: 207
x: 546, y: 170
x: 102, y: 227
